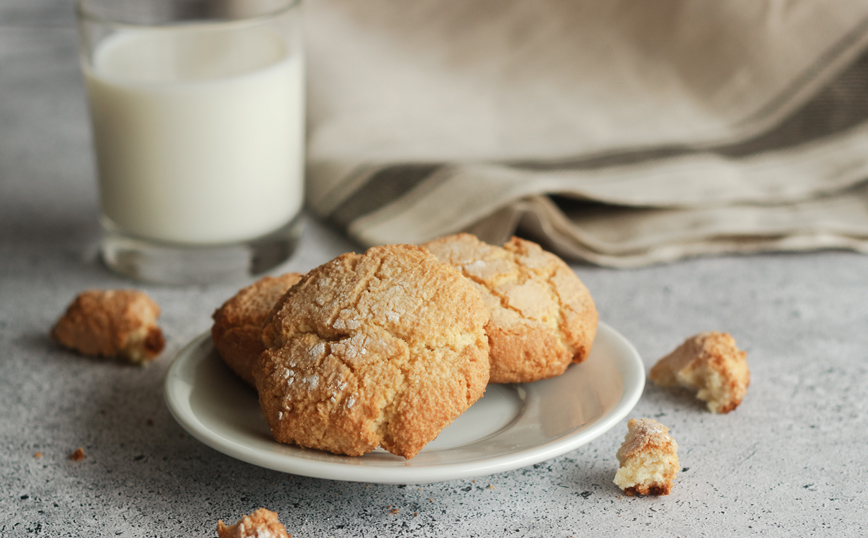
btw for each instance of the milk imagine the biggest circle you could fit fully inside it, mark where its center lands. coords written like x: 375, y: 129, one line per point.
x: 198, y: 132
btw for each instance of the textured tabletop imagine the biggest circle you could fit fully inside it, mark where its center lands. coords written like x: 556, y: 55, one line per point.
x: 789, y: 461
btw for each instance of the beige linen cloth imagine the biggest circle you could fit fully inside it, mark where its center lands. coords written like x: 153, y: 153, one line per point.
x: 621, y: 132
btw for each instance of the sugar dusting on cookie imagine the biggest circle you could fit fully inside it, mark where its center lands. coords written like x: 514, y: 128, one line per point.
x: 336, y: 388
x: 346, y: 321
x: 317, y: 350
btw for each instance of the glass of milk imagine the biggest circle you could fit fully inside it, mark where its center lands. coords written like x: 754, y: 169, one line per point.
x: 197, y: 111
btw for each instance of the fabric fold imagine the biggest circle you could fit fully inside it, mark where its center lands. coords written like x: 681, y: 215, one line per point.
x: 622, y: 134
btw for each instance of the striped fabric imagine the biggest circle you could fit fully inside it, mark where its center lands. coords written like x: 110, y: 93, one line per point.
x: 622, y: 133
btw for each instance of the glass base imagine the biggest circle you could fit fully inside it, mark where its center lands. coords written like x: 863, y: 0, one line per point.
x: 168, y: 263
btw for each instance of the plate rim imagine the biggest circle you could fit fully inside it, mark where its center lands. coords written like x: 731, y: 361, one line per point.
x: 629, y: 366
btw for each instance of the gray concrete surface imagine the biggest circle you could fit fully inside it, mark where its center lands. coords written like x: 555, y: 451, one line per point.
x: 791, y: 461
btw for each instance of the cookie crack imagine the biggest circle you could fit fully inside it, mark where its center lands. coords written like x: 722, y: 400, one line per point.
x: 562, y: 318
x: 344, y: 362
x: 390, y: 408
x: 500, y: 296
x: 353, y: 302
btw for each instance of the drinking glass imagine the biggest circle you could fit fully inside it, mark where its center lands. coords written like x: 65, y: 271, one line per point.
x: 197, y: 114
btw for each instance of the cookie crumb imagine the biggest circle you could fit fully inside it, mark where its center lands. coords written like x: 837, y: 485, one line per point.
x: 78, y: 455
x: 394, y: 510
x: 112, y: 324
x: 648, y: 459
x: 37, y: 455
x: 262, y: 523
x: 712, y: 365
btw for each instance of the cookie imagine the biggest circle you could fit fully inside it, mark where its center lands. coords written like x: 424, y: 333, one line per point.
x: 710, y: 364
x: 113, y: 324
x: 260, y: 524
x: 237, y: 327
x: 542, y: 316
x: 384, y: 348
x: 648, y: 459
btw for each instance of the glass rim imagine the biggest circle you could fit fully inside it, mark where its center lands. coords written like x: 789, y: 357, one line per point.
x: 84, y: 14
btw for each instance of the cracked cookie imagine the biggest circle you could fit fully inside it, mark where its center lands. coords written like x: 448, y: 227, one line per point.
x: 237, y: 328
x: 542, y: 317
x: 113, y: 324
x: 384, y: 348
x: 709, y: 363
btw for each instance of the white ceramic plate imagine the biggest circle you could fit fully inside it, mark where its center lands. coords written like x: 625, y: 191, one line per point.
x: 512, y: 426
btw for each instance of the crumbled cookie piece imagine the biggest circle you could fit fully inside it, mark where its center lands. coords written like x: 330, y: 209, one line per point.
x: 237, y: 329
x: 260, y: 524
x: 709, y: 363
x: 542, y: 316
x: 648, y: 459
x: 78, y: 455
x: 385, y: 348
x: 113, y: 324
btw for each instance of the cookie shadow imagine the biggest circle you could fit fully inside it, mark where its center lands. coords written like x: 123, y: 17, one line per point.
x: 595, y: 483
x: 674, y: 398
x: 40, y: 343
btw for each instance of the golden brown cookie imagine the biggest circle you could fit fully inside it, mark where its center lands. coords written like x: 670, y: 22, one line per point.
x: 542, y: 316
x: 237, y: 329
x: 709, y: 363
x: 260, y: 524
x: 384, y: 349
x: 648, y: 458
x: 112, y: 323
